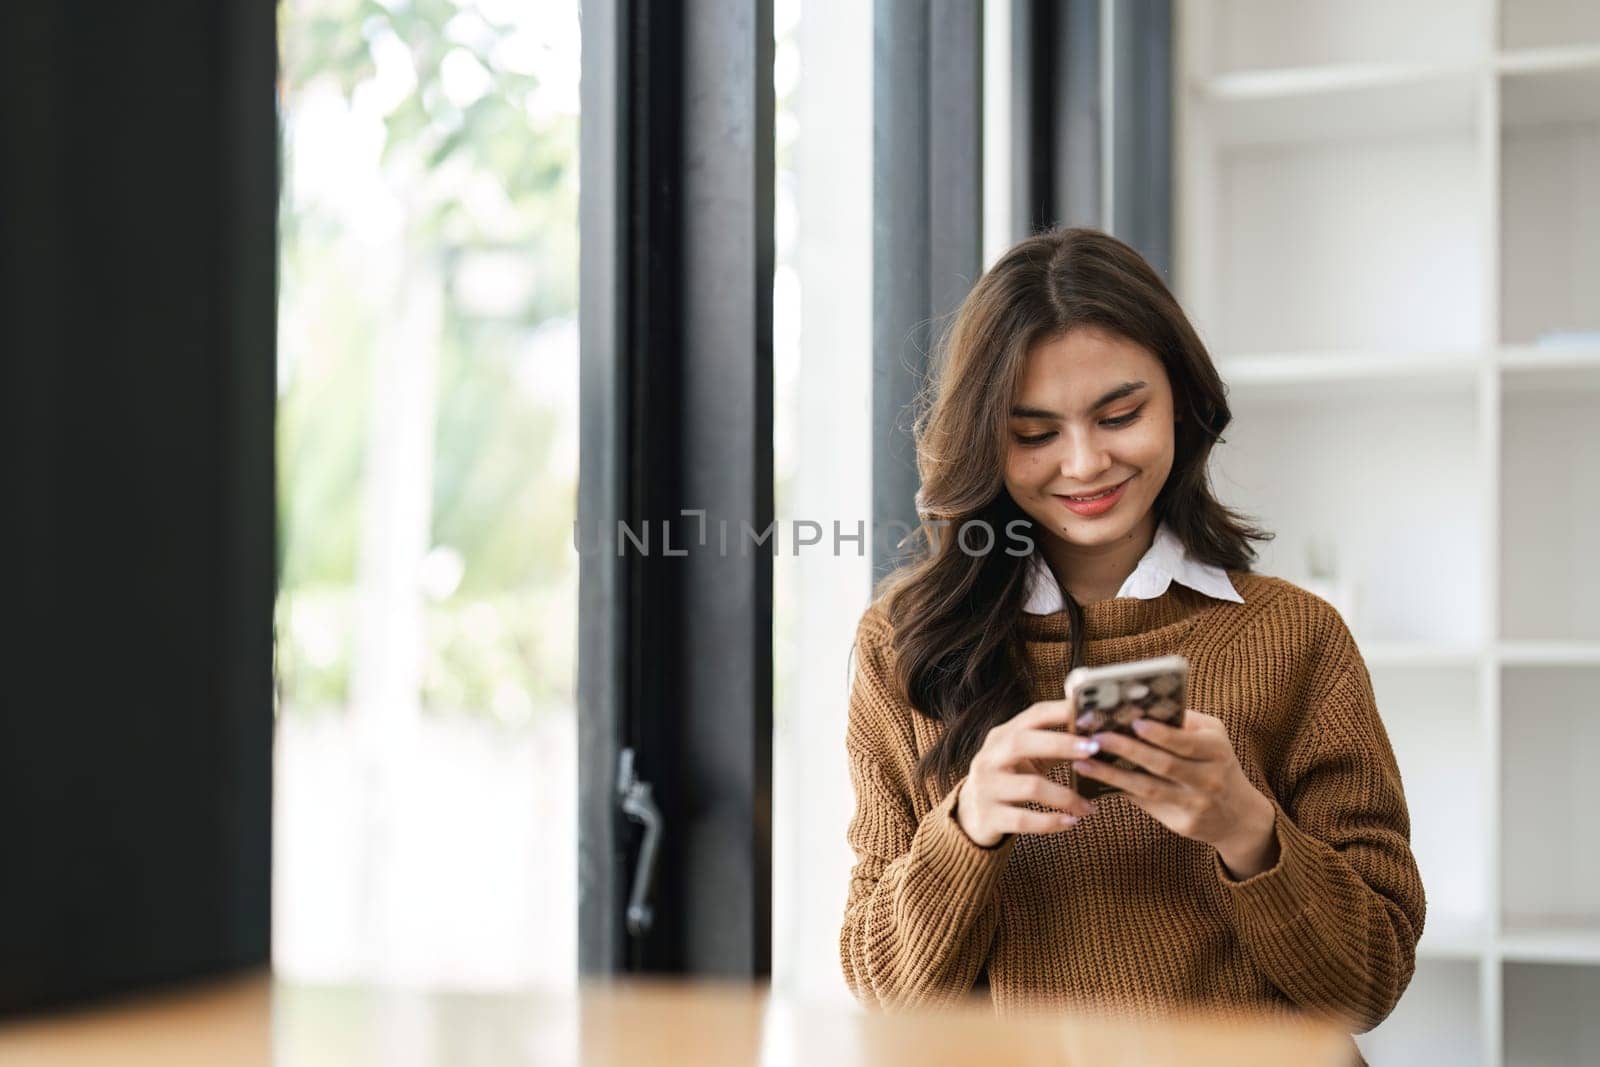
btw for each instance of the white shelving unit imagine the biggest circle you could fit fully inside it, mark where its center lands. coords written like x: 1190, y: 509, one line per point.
x: 1388, y: 224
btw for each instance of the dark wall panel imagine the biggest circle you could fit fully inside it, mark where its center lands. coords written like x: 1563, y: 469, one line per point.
x: 137, y: 333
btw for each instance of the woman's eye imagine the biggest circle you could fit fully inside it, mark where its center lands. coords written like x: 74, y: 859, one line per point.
x: 1123, y: 420
x: 1119, y: 421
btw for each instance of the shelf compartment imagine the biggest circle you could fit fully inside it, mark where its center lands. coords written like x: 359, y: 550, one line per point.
x: 1390, y: 485
x: 1550, y: 510
x: 1373, y: 245
x: 1543, y: 23
x: 1549, y: 733
x: 1435, y: 1021
x: 1550, y: 207
x: 1434, y: 720
x: 1550, y: 1015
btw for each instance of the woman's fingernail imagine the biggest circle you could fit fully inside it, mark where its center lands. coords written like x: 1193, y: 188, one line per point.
x: 1069, y: 820
x: 1088, y: 746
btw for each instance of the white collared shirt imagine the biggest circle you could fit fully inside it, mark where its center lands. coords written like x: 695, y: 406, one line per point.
x: 1167, y: 561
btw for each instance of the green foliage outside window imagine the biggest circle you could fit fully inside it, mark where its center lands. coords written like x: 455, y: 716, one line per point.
x: 479, y: 152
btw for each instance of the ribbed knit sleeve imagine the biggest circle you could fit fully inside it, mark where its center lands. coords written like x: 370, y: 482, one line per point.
x: 922, y: 909
x: 1334, y: 923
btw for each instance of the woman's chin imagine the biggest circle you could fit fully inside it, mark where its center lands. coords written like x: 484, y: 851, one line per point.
x: 1100, y: 530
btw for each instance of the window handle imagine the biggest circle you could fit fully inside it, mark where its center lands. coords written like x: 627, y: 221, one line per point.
x: 639, y: 805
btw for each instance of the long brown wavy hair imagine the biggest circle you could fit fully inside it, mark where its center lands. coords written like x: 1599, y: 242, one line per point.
x: 956, y: 616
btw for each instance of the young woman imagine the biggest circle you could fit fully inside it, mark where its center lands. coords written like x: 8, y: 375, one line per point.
x: 1260, y: 858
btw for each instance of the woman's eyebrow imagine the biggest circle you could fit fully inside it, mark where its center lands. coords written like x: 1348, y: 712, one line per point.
x: 1116, y: 394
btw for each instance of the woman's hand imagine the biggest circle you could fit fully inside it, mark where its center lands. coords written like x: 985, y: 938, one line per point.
x: 1010, y: 770
x: 1193, y: 785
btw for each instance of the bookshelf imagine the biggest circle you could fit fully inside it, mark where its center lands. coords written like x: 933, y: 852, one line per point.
x: 1388, y: 234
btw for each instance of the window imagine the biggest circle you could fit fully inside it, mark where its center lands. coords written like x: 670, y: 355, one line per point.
x: 822, y: 395
x: 426, y: 741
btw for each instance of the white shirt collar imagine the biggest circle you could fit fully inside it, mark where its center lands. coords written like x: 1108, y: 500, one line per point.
x: 1167, y: 561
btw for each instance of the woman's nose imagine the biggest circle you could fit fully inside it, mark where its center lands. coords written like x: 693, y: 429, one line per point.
x: 1083, y: 458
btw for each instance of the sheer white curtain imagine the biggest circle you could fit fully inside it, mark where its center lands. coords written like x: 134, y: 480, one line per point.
x: 823, y: 350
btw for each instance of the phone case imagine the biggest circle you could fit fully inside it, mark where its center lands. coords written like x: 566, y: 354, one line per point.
x: 1112, y: 697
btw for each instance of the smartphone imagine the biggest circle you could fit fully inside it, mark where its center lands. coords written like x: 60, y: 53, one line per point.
x: 1113, y: 696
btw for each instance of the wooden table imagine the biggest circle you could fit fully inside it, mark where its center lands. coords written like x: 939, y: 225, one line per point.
x: 254, y: 1021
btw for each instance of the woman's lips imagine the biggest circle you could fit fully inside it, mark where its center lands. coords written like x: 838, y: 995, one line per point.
x: 1091, y: 508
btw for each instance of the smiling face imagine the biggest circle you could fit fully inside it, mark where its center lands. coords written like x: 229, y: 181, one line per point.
x: 1094, y: 411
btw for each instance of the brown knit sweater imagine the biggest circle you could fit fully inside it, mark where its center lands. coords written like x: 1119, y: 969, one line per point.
x: 1119, y: 913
